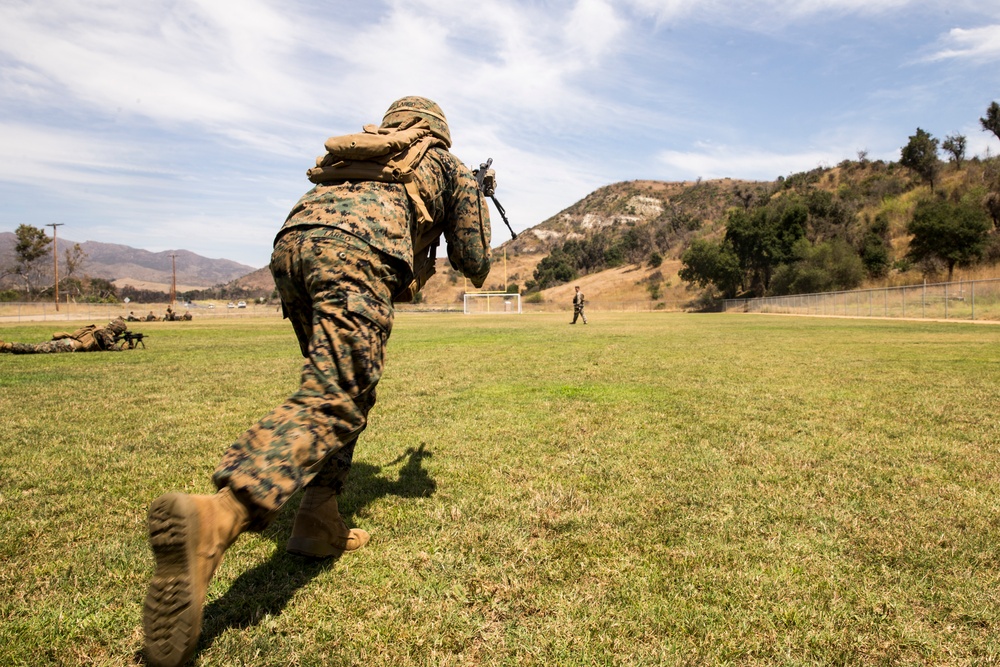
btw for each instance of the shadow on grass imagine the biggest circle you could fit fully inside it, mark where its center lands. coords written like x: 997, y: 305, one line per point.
x: 267, y: 588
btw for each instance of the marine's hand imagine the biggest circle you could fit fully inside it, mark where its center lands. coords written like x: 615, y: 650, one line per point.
x: 489, y: 183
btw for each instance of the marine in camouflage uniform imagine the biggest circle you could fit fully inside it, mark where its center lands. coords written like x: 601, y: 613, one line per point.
x: 578, y: 303
x: 90, y: 338
x: 349, y: 248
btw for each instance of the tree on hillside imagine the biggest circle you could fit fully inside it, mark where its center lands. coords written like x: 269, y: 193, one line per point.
x: 875, y: 247
x: 991, y: 202
x: 955, y: 144
x: 829, y: 266
x: 953, y: 233
x: 706, y: 263
x: 763, y: 239
x: 920, y: 155
x: 555, y: 269
x: 829, y: 216
x: 744, y: 197
x: 991, y: 122
x: 31, y: 248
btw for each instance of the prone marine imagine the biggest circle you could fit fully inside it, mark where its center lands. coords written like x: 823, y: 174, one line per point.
x: 90, y: 338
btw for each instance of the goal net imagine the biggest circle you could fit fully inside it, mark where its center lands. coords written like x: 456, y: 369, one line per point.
x: 491, y: 303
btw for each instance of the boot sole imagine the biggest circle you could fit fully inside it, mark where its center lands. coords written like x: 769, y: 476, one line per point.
x: 310, y: 548
x: 171, y: 617
x: 313, y: 548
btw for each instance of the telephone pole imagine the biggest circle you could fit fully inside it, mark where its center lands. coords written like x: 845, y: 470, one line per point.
x: 173, y: 282
x: 55, y: 258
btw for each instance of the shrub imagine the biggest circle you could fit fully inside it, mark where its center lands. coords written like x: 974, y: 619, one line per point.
x: 535, y: 297
x: 825, y: 267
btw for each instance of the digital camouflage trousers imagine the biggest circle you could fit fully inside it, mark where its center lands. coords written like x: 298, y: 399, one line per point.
x: 48, y: 347
x: 336, y: 290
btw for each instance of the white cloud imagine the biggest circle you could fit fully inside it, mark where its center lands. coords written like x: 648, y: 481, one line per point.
x: 31, y: 154
x: 710, y: 161
x: 189, y: 112
x: 762, y: 12
x: 975, y: 44
x: 215, y: 64
x: 593, y: 28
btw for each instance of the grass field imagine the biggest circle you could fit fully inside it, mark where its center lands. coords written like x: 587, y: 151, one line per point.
x: 648, y: 489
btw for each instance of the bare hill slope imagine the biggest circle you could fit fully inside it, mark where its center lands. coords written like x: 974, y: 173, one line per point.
x: 132, y: 266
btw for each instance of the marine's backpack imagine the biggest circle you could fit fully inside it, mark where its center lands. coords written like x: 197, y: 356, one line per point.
x: 386, y: 154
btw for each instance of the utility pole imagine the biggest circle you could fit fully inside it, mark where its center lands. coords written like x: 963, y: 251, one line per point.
x: 55, y: 257
x: 173, y: 282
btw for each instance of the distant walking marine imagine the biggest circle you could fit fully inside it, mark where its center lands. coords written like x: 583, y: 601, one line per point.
x: 578, y: 303
x: 364, y: 237
x: 90, y: 338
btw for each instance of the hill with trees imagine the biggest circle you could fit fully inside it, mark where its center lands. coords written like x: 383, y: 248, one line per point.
x: 861, y: 222
x: 668, y: 245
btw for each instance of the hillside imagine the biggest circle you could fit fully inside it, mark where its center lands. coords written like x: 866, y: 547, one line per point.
x: 143, y: 269
x: 640, y: 223
x: 678, y: 209
x: 615, y: 239
x: 623, y: 242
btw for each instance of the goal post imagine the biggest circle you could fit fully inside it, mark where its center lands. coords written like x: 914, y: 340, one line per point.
x: 491, y: 303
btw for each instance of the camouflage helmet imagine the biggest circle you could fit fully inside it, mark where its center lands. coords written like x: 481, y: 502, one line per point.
x: 409, y: 108
x: 117, y: 326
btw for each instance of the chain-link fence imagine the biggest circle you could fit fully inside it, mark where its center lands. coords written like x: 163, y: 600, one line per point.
x: 45, y: 311
x: 963, y: 300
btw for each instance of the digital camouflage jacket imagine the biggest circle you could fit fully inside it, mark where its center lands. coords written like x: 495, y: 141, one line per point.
x: 382, y: 215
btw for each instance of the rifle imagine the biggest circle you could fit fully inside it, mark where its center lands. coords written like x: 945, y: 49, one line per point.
x: 130, y: 339
x: 488, y: 189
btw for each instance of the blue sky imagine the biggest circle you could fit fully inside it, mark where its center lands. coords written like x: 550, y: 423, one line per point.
x: 189, y: 124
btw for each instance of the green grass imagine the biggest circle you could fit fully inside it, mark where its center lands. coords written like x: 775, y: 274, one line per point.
x: 649, y: 489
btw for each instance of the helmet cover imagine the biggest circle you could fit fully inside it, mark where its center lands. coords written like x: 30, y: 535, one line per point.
x: 405, y: 110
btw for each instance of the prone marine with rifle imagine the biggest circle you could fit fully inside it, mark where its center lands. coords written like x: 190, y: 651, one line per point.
x: 91, y: 338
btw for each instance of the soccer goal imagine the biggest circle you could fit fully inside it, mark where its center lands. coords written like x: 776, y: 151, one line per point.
x: 491, y: 303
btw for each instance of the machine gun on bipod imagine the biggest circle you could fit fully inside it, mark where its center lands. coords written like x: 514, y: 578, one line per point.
x: 129, y: 340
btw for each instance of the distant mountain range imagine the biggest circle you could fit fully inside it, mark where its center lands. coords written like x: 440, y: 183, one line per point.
x: 141, y: 268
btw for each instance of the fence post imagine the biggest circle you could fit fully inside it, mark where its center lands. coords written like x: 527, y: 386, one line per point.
x: 973, y: 299
x: 946, y: 301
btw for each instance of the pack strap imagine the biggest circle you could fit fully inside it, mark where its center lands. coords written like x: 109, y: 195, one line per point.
x: 398, y: 168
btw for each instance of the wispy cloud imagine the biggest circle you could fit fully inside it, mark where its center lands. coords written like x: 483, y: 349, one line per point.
x: 760, y: 13
x: 740, y: 162
x: 202, y: 115
x: 980, y: 45
x: 30, y: 154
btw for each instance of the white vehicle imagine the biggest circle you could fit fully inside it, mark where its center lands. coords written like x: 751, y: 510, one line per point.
x: 241, y: 304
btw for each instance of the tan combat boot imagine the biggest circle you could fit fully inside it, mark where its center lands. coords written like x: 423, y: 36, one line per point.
x: 319, y: 531
x: 188, y: 535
